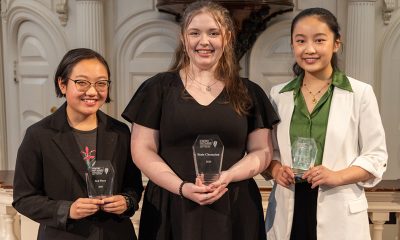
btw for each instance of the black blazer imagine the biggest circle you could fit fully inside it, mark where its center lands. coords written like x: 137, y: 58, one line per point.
x: 50, y: 176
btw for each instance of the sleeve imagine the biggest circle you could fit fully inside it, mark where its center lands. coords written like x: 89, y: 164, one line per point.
x: 372, y: 143
x: 262, y: 113
x: 276, y: 154
x: 132, y: 186
x: 145, y: 106
x: 29, y: 197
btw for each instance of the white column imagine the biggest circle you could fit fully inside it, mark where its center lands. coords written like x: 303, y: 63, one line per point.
x: 360, y: 40
x: 90, y: 25
x: 3, y: 137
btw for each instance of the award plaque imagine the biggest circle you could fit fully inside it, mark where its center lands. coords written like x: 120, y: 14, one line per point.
x: 100, y: 179
x: 208, y: 152
x: 304, y: 152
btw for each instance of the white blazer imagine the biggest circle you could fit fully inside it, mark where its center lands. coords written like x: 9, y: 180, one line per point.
x: 354, y: 137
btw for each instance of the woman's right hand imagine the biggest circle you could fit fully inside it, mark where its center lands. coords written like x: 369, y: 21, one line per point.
x: 200, y: 193
x: 84, y: 207
x: 283, y: 175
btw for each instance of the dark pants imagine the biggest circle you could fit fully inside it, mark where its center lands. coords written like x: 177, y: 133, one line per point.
x: 305, y: 212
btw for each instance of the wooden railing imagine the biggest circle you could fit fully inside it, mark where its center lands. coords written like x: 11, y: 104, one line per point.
x: 9, y: 222
x: 382, y: 200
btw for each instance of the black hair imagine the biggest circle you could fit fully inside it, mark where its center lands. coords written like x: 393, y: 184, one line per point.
x: 325, y: 16
x: 68, y: 62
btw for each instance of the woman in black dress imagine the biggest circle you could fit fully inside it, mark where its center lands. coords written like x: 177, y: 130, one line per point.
x: 201, y: 94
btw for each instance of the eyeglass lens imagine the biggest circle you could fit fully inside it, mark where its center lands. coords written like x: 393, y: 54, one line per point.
x: 84, y: 85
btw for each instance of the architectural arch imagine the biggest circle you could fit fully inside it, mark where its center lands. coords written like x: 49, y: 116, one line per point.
x: 271, y: 57
x: 15, y: 15
x: 143, y: 49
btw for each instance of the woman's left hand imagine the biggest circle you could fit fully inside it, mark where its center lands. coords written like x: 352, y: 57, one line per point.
x: 219, y: 188
x: 321, y: 175
x: 115, y: 204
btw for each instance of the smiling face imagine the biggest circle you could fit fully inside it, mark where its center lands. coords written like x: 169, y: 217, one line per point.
x: 203, y: 42
x: 314, y: 44
x: 81, y: 105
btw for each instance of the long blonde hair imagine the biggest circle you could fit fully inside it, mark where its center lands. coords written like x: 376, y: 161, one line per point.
x: 227, y: 69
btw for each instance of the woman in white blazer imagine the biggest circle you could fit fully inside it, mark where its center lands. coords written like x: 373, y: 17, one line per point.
x: 341, y: 114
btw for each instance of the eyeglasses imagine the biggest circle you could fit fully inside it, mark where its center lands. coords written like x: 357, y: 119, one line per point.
x: 84, y: 85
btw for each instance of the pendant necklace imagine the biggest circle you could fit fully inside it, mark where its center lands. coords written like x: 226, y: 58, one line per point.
x: 314, y: 99
x: 208, y: 86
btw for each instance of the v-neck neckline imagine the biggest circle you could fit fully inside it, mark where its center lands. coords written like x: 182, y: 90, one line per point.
x: 194, y: 99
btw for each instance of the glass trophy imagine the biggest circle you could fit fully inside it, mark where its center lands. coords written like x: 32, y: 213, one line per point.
x: 208, y: 152
x: 304, y: 152
x: 100, y: 179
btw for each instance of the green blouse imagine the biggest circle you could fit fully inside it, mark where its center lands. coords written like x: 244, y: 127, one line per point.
x: 314, y: 124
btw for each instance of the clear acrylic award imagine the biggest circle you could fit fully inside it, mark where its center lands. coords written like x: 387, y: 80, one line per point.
x: 100, y: 179
x: 304, y: 152
x: 208, y: 152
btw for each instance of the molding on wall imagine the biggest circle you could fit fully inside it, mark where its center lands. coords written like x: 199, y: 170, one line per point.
x: 90, y: 30
x: 271, y: 58
x: 62, y: 11
x: 142, y: 47
x: 131, y: 36
x: 3, y: 9
x: 360, y: 38
x: 387, y: 9
x: 15, y: 13
x: 20, y: 11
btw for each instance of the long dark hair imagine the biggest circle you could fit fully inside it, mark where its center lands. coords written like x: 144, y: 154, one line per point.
x: 324, y: 16
x: 227, y: 69
x: 67, y: 64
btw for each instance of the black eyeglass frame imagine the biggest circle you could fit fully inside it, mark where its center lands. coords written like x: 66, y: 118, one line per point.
x: 90, y: 84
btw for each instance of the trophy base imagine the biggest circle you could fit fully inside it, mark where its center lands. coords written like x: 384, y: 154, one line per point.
x: 100, y: 197
x: 298, y: 173
x: 207, y: 179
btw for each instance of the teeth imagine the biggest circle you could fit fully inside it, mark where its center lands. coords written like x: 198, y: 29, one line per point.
x: 310, y: 59
x: 204, y: 51
x: 89, y: 100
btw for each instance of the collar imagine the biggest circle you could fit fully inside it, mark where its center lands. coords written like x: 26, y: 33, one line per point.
x: 59, y: 120
x: 339, y: 80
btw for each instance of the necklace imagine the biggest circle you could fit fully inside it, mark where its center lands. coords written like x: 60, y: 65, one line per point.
x: 208, y: 86
x: 314, y: 99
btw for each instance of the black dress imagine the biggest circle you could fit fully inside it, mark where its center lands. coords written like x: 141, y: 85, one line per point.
x: 162, y: 103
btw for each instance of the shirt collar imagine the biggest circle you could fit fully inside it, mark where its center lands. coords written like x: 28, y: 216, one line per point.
x: 339, y: 80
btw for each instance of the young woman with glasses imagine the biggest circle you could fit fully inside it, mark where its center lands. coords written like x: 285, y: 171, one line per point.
x: 56, y: 152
